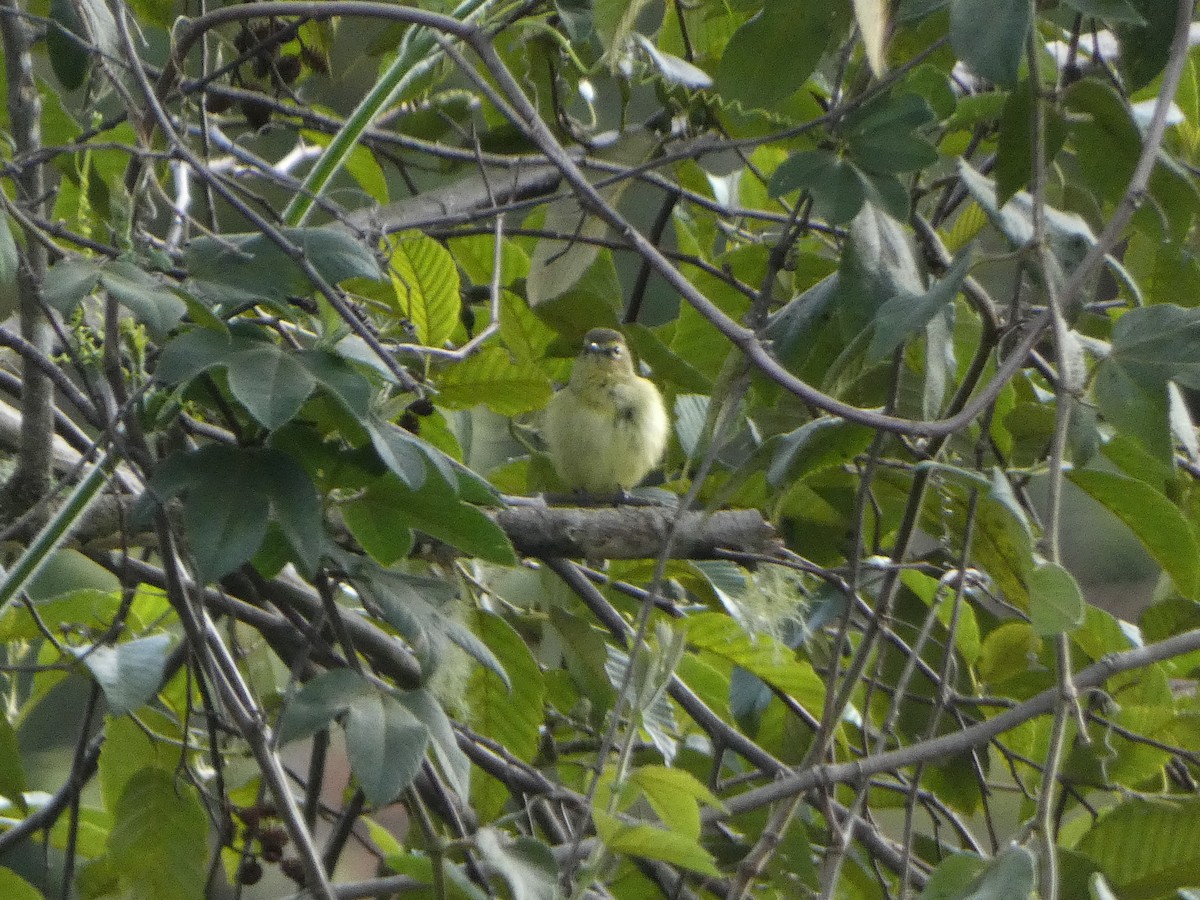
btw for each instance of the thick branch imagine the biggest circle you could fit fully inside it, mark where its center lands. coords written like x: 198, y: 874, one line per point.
x: 634, y: 532
x: 32, y: 477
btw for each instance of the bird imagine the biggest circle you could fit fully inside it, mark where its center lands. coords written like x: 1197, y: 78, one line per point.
x: 608, y: 427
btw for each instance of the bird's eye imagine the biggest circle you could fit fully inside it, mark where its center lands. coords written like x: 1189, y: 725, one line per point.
x: 593, y: 347
x: 615, y: 350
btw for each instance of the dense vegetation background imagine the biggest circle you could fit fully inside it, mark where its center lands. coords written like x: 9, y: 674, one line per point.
x: 286, y: 284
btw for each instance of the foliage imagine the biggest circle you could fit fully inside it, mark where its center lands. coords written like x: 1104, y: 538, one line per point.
x: 289, y: 283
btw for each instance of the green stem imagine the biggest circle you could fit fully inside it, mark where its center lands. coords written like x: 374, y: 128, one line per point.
x: 417, y: 55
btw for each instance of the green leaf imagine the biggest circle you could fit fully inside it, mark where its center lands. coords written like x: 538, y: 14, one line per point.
x: 1150, y: 346
x: 774, y: 663
x: 1007, y: 652
x: 1055, y: 600
x: 342, y: 381
x: 990, y: 35
x: 150, y: 301
x: 491, y: 377
x: 129, y: 673
x: 197, y: 350
x: 226, y: 509
x: 1147, y: 848
x: 950, y: 879
x: 1014, y: 147
x: 1110, y: 11
x: 402, y: 452
x: 413, y: 606
x: 385, y: 744
x: 159, y: 839
x: 14, y: 887
x: 1146, y: 48
x: 252, y: 265
x: 68, y: 282
x: 296, y: 506
x: 455, y: 764
x: 321, y: 700
x: 10, y: 261
x: 270, y: 382
x: 1161, y: 527
x: 906, y: 314
x: 378, y: 526
x: 13, y: 784
x: 751, y: 73
x: 650, y: 842
x: 881, y: 138
x: 506, y: 705
x: 816, y: 446
x: 835, y: 184
x: 525, y: 335
x: 675, y: 796
x: 526, y: 865
x: 426, y: 283
x: 1010, y: 876
x: 65, y: 42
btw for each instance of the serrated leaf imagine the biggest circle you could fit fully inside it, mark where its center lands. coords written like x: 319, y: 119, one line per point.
x: 1147, y: 848
x: 270, y: 382
x: 774, y: 663
x: 525, y: 335
x: 508, y: 707
x: 427, y: 289
x: 491, y: 377
x: 129, y: 674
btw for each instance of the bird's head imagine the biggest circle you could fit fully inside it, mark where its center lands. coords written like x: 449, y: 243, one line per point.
x: 605, y: 350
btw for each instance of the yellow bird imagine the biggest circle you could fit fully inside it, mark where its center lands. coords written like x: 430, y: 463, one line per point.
x: 608, y: 427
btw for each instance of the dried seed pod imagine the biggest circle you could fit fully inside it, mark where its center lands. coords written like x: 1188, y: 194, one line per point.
x: 217, y: 103
x: 257, y: 113
x: 288, y: 68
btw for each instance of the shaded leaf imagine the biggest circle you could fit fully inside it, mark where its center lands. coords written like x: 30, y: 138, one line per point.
x: 990, y: 35
x: 270, y: 382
